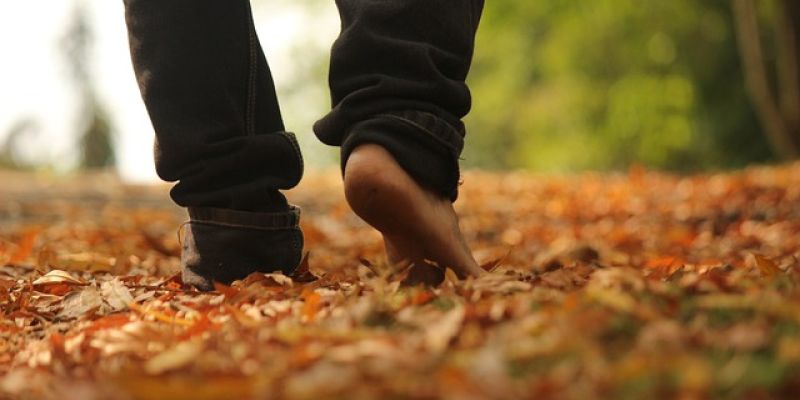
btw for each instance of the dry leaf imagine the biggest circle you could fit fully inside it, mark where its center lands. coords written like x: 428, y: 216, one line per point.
x: 174, y: 358
x: 677, y: 298
x: 439, y: 334
x: 78, y: 303
x: 116, y: 294
x: 767, y: 267
x: 57, y: 276
x: 303, y: 274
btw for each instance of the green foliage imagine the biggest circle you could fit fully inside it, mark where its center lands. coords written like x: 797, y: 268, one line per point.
x: 563, y: 85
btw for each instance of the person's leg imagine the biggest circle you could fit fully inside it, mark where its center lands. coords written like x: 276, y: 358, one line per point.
x: 219, y: 135
x: 398, y: 88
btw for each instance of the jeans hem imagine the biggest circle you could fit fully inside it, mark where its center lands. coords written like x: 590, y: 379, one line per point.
x: 245, y: 219
x: 425, y: 146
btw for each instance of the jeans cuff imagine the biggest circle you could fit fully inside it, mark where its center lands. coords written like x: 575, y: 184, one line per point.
x: 246, y: 219
x: 221, y: 245
x: 424, y: 145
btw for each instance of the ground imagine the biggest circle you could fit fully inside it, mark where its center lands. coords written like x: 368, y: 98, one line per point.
x: 634, y: 285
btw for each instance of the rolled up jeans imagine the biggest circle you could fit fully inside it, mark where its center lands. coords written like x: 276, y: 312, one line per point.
x: 397, y: 79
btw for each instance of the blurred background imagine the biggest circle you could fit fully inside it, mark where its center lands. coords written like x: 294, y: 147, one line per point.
x: 558, y: 85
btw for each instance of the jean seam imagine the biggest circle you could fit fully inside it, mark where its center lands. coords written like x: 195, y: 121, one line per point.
x: 241, y: 227
x: 251, y: 78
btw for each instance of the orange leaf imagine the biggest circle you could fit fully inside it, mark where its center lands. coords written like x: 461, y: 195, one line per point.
x: 58, y: 289
x: 226, y: 290
x: 25, y: 246
x: 108, y: 322
x: 311, y: 305
x: 422, y: 297
x: 161, y: 316
x: 662, y: 262
x: 664, y: 267
x: 767, y: 267
x: 174, y: 282
x: 57, y: 343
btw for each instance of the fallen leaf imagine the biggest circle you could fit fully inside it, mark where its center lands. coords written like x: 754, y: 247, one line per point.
x: 57, y: 276
x: 25, y: 246
x: 56, y: 289
x: 116, y: 294
x: 302, y: 274
x: 439, y: 334
x: 78, y: 303
x: 311, y: 305
x: 174, y: 358
x: 228, y: 291
x: 767, y: 267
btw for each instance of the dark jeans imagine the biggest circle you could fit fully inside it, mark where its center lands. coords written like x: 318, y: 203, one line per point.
x: 397, y: 79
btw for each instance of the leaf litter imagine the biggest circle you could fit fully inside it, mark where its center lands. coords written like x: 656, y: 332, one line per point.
x: 599, y: 286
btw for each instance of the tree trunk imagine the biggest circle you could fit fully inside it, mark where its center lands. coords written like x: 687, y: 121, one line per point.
x: 787, y: 34
x: 772, y: 110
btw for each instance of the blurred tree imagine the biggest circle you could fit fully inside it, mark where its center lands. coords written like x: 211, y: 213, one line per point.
x: 571, y: 84
x: 11, y: 155
x: 95, y: 140
x: 775, y: 91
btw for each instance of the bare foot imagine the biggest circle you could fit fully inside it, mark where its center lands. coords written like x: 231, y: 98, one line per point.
x: 416, y: 224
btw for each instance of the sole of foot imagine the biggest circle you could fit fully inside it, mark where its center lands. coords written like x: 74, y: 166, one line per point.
x: 416, y: 224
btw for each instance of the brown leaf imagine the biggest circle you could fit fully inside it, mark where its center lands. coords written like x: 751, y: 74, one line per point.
x: 175, y: 281
x: 228, y: 291
x: 81, y: 302
x: 56, y: 289
x: 767, y: 267
x: 303, y: 274
x: 491, y: 265
x: 57, y: 277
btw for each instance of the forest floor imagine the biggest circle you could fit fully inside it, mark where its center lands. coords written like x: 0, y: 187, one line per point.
x: 636, y: 285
